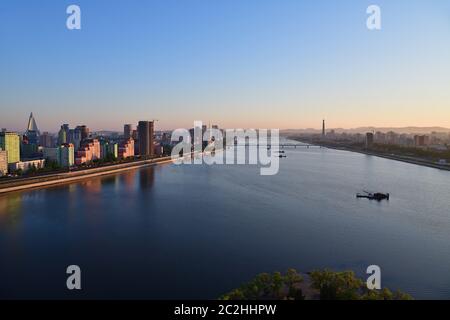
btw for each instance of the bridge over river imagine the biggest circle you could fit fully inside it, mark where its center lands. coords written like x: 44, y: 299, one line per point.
x: 285, y: 145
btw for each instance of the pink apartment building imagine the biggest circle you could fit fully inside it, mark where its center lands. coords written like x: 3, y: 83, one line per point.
x: 88, y: 152
x: 126, y: 149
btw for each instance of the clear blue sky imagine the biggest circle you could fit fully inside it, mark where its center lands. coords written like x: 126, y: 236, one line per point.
x: 246, y: 63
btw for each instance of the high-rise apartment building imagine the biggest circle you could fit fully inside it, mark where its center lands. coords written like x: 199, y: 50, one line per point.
x: 45, y: 140
x: 127, y: 131
x: 77, y: 138
x: 10, y: 142
x: 28, y: 150
x: 108, y: 148
x: 145, y: 137
x: 65, y: 155
x: 126, y: 149
x: 63, y: 134
x: 88, y: 152
x: 71, y: 136
x: 84, y: 132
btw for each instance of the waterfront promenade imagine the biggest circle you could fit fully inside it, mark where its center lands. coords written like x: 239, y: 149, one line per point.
x: 68, y: 177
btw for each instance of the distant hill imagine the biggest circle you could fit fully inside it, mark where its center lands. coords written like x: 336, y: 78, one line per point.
x: 407, y: 130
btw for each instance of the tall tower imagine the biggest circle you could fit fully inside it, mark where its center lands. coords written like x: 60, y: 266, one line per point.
x: 62, y: 135
x: 151, y: 134
x: 127, y: 130
x: 145, y: 133
x: 32, y: 132
x: 32, y: 124
x: 323, y: 128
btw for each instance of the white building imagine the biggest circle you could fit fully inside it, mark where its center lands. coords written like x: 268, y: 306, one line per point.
x: 26, y: 165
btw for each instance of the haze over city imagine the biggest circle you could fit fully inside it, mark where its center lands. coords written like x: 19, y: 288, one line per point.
x: 260, y: 64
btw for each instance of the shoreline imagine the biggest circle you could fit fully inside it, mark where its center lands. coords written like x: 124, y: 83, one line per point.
x: 69, y: 177
x: 419, y: 162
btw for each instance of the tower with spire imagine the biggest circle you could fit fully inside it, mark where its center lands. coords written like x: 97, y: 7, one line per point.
x: 32, y: 131
x: 323, y: 128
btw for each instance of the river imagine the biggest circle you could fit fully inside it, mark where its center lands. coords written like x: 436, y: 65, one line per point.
x: 197, y: 231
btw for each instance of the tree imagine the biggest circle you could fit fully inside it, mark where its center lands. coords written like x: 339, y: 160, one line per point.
x: 32, y: 169
x: 336, y: 285
x: 277, y: 284
x: 167, y: 149
x: 385, y: 294
x: 331, y: 286
x: 267, y: 286
x: 51, y: 165
x: 292, y: 280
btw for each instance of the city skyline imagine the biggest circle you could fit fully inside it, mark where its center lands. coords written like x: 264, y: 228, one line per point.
x: 261, y: 64
x: 318, y: 128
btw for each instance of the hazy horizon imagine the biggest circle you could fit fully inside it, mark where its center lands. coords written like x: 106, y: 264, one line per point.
x: 157, y: 128
x: 261, y: 64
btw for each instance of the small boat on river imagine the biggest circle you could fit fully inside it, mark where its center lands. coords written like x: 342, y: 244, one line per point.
x: 373, y: 195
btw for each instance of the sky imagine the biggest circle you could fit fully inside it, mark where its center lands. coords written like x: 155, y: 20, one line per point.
x: 236, y: 63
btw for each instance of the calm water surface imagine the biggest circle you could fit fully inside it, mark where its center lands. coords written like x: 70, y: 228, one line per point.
x: 200, y: 231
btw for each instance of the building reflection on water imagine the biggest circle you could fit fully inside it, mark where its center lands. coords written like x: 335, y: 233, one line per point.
x: 146, y: 178
x: 128, y: 180
x: 11, y: 205
x: 10, y: 209
x: 95, y: 185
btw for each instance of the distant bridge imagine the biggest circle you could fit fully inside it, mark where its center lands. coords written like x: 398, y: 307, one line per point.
x: 298, y: 145
x: 283, y: 145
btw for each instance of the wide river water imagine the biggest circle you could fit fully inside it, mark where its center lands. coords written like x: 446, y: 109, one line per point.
x: 197, y: 231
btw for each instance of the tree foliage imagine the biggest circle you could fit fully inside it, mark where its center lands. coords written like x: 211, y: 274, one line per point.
x: 328, y: 285
x: 267, y: 286
x: 346, y: 286
x: 336, y: 285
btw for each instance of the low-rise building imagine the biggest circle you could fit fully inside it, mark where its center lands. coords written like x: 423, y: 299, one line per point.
x: 3, y: 162
x: 24, y: 166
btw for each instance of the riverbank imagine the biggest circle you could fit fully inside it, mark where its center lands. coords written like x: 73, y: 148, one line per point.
x: 416, y: 161
x: 69, y: 177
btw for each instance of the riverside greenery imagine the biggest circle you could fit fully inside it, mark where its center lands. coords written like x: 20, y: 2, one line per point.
x: 319, y: 285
